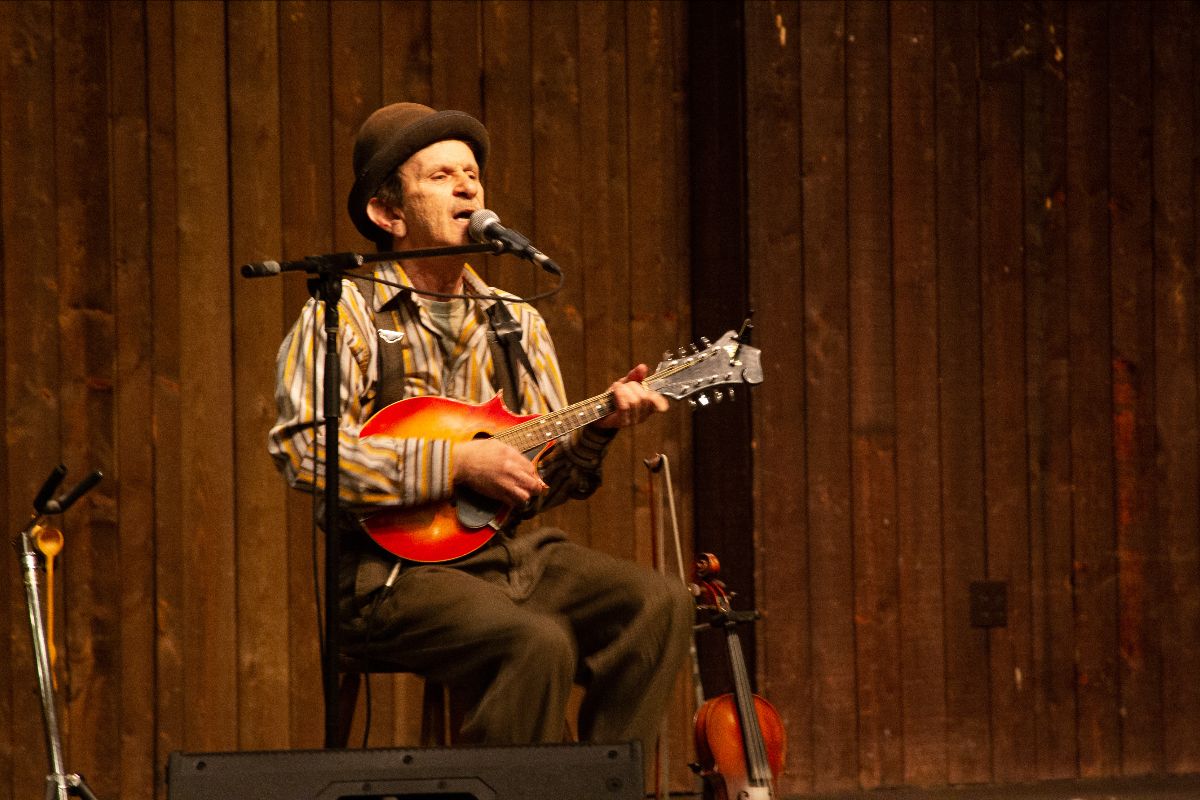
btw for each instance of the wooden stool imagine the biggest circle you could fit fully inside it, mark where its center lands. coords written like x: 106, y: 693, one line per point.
x: 442, y: 712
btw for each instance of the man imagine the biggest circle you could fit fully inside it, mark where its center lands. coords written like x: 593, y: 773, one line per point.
x: 516, y: 623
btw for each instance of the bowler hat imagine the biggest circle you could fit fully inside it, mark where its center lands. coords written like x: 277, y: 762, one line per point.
x: 390, y: 136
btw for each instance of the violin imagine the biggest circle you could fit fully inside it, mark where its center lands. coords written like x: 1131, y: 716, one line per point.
x: 740, y: 742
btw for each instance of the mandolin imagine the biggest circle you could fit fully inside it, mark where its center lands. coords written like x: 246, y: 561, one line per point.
x: 450, y: 529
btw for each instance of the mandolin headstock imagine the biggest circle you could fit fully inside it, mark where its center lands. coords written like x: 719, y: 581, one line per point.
x: 706, y: 371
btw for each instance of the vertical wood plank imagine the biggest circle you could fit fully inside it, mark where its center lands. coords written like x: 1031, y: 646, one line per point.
x: 508, y: 113
x: 826, y: 392
x: 1003, y: 59
x: 674, y: 97
x: 210, y: 634
x: 262, y: 663
x: 658, y: 287
x: 1091, y: 389
x: 960, y: 404
x: 775, y: 252
x: 308, y: 209
x: 918, y: 465
x: 722, y: 466
x: 166, y: 402
x: 680, y: 440
x: 1047, y: 393
x: 872, y: 399
x: 1175, y: 221
x: 455, y: 35
x: 12, y: 594
x: 9, y: 563
x: 31, y: 379
x: 405, y: 52
x: 557, y: 178
x: 1131, y: 225
x: 722, y: 469
x: 134, y: 432
x: 89, y: 563
x: 604, y: 266
x: 356, y: 84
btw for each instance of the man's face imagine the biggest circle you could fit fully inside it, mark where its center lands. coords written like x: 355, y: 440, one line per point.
x: 441, y: 190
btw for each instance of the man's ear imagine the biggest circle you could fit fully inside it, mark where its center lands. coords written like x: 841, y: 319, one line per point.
x: 386, y: 217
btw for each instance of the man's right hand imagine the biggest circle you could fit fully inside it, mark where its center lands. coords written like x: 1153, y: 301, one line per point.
x: 496, y: 470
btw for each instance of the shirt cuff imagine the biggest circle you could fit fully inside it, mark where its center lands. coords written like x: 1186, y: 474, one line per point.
x: 588, y: 449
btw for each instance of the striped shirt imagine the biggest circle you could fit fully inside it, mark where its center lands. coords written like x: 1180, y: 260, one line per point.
x: 382, y: 470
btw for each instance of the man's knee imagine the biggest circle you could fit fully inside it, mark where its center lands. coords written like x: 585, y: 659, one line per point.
x: 677, y: 608
x: 543, y: 646
x: 668, y: 599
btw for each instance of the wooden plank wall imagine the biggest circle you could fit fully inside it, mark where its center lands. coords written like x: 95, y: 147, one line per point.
x: 971, y: 231
x: 150, y: 147
x: 972, y: 252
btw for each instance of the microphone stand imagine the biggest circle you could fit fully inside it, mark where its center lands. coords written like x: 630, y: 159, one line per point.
x: 326, y: 286
x: 60, y: 784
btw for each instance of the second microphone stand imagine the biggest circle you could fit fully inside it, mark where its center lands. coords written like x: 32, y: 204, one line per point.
x: 60, y: 784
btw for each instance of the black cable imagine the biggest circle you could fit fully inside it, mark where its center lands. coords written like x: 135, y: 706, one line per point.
x: 384, y: 591
x: 464, y: 295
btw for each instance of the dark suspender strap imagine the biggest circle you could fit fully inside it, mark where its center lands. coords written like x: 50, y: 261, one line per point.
x: 389, y: 388
x: 366, y: 288
x: 504, y: 339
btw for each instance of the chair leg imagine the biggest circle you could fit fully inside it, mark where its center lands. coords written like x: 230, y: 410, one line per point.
x: 344, y: 710
x: 435, y: 727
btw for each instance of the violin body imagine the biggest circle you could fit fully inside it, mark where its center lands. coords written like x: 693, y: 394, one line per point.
x: 721, y: 748
x: 740, y: 741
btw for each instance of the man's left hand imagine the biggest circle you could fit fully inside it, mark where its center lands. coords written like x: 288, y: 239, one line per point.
x: 632, y: 401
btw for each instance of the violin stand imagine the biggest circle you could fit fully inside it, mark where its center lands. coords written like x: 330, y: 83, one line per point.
x: 60, y: 784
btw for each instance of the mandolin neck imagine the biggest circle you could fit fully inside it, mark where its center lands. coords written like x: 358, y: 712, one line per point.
x: 535, y: 433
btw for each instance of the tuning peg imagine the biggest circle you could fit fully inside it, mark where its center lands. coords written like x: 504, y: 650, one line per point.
x: 731, y: 395
x: 692, y: 348
x: 718, y: 395
x: 705, y: 342
x: 682, y: 353
x: 703, y: 399
x: 691, y: 402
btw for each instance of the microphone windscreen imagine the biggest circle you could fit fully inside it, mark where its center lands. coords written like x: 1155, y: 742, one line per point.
x: 261, y: 269
x: 480, y: 220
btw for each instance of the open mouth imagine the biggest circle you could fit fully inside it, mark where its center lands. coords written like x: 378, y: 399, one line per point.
x: 464, y: 214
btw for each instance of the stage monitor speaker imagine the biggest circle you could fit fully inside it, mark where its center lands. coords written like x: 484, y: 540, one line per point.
x: 541, y: 772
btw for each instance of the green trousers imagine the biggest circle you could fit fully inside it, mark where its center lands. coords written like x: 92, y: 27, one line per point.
x: 515, y: 625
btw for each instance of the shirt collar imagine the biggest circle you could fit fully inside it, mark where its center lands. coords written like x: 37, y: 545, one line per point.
x: 392, y: 271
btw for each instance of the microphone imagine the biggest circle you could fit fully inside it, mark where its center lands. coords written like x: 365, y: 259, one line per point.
x: 265, y: 269
x: 485, y: 227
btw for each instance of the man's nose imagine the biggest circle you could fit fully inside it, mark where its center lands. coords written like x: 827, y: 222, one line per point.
x: 467, y: 186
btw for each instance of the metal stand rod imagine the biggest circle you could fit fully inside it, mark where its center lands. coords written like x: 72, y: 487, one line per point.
x: 41, y: 656
x: 60, y: 784
x: 330, y: 292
